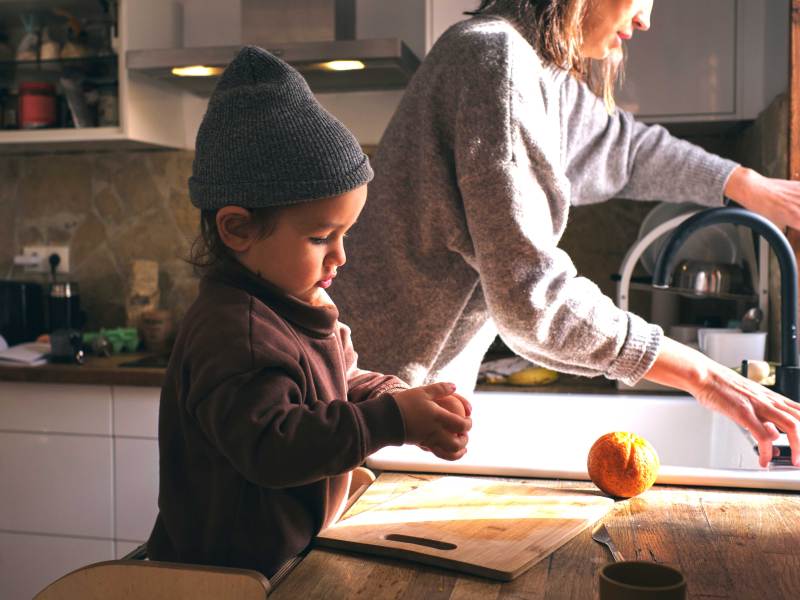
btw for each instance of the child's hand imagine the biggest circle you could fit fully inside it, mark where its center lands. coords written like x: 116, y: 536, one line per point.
x: 430, y: 425
x: 455, y: 403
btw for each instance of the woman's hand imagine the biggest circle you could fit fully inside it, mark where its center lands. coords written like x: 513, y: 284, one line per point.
x: 759, y: 410
x: 776, y: 199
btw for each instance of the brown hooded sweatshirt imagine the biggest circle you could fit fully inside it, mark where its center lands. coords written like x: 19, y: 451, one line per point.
x: 262, y: 416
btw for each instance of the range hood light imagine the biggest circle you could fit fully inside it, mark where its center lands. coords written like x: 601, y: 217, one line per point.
x: 197, y: 71
x: 342, y: 65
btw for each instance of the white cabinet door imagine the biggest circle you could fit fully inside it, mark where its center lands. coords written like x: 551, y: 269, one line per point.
x: 135, y: 461
x: 56, y: 484
x: 136, y: 488
x: 136, y: 411
x: 715, y: 60
x: 29, y: 563
x: 685, y: 65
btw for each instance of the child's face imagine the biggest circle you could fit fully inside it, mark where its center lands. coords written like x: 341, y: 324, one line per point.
x: 306, y: 247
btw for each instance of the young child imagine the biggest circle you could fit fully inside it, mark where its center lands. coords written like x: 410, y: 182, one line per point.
x: 264, y: 413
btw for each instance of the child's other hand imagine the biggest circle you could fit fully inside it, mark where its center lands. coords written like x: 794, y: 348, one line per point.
x: 430, y: 425
x: 455, y: 403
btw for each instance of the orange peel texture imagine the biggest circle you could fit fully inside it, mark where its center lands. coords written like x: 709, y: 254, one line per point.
x: 622, y: 464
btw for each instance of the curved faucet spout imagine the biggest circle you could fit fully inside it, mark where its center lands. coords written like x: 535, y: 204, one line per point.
x: 780, y: 246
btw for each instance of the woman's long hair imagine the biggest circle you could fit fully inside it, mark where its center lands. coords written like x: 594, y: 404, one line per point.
x: 555, y: 30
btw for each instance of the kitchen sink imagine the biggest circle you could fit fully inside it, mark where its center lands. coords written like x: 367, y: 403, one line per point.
x: 517, y: 434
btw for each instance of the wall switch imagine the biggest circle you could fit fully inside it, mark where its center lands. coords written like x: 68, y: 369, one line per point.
x: 37, y: 259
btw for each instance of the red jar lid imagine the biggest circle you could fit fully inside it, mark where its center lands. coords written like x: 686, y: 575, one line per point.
x: 36, y: 86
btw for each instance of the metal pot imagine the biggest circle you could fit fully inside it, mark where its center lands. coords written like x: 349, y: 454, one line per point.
x: 708, y: 278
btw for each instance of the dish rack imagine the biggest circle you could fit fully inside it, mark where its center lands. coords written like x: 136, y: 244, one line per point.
x: 635, y: 252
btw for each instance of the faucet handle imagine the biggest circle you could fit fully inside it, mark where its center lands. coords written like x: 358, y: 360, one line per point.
x: 787, y: 382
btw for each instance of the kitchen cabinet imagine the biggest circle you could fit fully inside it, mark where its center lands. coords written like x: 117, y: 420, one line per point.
x: 79, y: 465
x: 716, y: 60
x: 148, y: 114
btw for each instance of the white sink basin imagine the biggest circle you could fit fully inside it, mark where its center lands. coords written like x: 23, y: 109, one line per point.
x: 516, y: 434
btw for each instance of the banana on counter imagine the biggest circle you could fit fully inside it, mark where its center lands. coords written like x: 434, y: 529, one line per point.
x: 515, y: 371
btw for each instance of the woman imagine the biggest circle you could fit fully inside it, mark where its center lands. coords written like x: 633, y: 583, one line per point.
x: 502, y: 128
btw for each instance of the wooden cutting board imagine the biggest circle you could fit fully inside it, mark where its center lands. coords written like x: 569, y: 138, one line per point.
x: 495, y: 528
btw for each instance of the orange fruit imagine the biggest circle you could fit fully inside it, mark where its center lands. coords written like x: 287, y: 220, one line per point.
x: 452, y: 404
x: 622, y: 464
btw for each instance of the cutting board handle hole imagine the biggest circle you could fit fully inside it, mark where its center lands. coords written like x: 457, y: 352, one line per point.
x: 410, y: 539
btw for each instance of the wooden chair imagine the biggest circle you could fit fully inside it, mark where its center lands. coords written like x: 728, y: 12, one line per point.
x: 134, y: 578
x: 140, y: 580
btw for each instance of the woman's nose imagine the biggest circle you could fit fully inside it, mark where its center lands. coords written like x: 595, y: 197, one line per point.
x: 641, y: 20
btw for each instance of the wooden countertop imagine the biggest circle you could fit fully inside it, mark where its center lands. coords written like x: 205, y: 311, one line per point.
x: 735, y: 544
x: 107, y: 371
x: 96, y: 371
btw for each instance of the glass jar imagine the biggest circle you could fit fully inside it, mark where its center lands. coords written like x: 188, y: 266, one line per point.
x: 37, y: 105
x: 107, y: 110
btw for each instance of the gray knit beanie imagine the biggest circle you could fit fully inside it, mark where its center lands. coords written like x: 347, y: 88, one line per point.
x: 266, y: 141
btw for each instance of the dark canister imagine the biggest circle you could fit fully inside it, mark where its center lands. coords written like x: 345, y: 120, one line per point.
x: 64, y: 306
x: 21, y: 311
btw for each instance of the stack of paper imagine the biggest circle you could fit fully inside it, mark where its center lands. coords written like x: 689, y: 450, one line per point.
x: 30, y: 354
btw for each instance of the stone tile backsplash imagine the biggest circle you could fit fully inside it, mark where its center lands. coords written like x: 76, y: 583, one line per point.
x: 112, y: 208
x: 109, y: 208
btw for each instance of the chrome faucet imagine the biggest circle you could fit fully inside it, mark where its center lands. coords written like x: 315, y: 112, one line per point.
x: 787, y: 374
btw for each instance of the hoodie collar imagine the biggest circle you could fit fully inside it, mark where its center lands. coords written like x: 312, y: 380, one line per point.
x: 319, y: 320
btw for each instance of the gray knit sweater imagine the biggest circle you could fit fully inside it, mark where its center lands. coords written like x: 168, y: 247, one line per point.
x: 475, y: 176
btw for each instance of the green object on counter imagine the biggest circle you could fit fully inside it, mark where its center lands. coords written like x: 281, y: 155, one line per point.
x: 121, y: 339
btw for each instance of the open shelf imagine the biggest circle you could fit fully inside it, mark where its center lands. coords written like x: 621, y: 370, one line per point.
x: 688, y: 294
x: 97, y: 70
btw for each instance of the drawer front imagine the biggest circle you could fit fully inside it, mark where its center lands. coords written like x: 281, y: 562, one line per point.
x: 56, y: 484
x: 55, y: 408
x: 136, y: 411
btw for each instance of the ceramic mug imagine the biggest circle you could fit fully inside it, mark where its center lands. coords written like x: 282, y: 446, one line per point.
x: 641, y: 580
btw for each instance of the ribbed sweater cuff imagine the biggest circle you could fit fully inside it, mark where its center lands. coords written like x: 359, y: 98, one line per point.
x: 711, y: 174
x: 382, y: 423
x: 639, y: 351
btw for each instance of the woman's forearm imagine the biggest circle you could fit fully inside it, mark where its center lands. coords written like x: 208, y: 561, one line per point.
x: 680, y: 367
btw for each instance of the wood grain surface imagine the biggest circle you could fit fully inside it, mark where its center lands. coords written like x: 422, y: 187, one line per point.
x: 491, y: 527
x: 97, y: 371
x: 729, y: 544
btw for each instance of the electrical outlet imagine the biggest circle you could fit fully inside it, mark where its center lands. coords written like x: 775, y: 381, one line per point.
x: 38, y: 258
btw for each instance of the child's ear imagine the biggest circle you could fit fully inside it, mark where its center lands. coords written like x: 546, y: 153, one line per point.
x: 235, y: 227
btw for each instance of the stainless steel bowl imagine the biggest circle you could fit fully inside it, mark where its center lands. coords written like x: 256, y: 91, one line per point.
x: 708, y: 278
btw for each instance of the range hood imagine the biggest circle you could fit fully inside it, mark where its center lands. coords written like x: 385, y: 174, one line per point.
x: 296, y: 32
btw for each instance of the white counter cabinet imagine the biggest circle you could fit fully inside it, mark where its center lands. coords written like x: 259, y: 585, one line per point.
x: 716, y: 60
x: 79, y: 466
